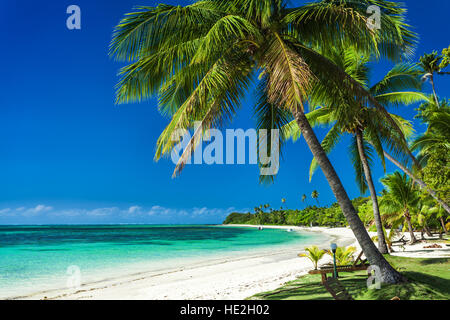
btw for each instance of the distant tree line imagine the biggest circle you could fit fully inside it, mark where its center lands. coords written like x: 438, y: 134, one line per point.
x: 330, y: 216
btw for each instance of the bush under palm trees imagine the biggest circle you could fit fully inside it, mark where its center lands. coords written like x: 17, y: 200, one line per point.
x: 344, y: 255
x: 314, y: 254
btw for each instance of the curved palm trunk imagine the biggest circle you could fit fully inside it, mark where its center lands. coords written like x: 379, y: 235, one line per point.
x: 434, y: 90
x: 443, y: 225
x: 422, y: 184
x: 373, y: 194
x: 411, y: 230
x: 388, y: 274
x: 427, y: 230
x: 422, y: 237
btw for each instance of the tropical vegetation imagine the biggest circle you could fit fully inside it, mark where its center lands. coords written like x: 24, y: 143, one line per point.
x: 314, y: 254
x: 309, y: 66
x: 429, y: 279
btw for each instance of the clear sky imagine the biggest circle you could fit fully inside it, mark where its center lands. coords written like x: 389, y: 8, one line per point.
x: 69, y: 155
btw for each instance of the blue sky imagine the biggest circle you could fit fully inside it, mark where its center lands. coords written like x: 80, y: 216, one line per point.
x: 69, y: 155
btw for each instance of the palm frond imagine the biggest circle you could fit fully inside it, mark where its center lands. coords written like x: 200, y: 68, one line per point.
x: 397, y: 99
x: 323, y: 22
x: 270, y: 117
x: 288, y: 76
x: 151, y: 28
x: 328, y: 143
x: 402, y: 76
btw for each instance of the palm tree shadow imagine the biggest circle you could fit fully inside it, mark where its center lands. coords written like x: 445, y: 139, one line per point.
x: 300, y: 292
x: 316, y: 290
x: 435, y: 260
x: 433, y: 281
x: 418, y: 285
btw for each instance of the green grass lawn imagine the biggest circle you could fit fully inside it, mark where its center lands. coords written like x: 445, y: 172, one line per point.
x: 428, y: 279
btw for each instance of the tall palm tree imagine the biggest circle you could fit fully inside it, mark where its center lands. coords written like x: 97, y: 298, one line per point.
x: 201, y: 58
x: 400, y: 199
x: 399, y: 86
x: 283, y: 201
x: 430, y: 65
x: 315, y: 195
x: 304, y: 197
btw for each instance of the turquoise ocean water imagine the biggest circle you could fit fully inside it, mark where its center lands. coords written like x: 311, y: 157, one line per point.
x: 37, y: 258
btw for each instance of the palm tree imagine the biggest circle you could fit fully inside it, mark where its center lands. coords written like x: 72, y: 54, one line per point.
x: 344, y: 256
x: 430, y: 65
x: 418, y: 181
x: 389, y: 237
x: 200, y: 59
x: 427, y: 211
x: 314, y: 254
x: 304, y: 197
x: 367, y: 126
x: 400, y: 200
x: 315, y: 195
x: 437, y: 117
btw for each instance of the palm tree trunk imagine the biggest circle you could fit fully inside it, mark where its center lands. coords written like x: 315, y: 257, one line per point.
x: 373, y: 194
x: 422, y: 184
x: 434, y: 91
x: 443, y: 225
x: 427, y: 230
x: 388, y: 274
x: 411, y: 230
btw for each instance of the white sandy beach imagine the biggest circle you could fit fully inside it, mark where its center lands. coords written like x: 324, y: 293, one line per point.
x: 228, y: 279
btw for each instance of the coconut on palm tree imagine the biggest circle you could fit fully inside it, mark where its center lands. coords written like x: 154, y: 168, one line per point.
x: 200, y: 60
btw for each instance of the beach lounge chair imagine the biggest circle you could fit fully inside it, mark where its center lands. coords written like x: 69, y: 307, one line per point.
x: 358, y: 265
x: 337, y: 290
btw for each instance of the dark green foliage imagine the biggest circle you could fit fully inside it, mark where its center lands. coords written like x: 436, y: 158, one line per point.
x: 331, y: 216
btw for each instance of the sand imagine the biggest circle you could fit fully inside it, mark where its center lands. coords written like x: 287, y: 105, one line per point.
x: 223, y: 279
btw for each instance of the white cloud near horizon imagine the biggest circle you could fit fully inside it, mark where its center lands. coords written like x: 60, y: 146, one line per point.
x: 133, y: 212
x: 34, y: 211
x: 134, y: 209
x: 6, y: 210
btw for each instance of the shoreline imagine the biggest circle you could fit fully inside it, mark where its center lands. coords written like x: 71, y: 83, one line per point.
x: 228, y: 278
x: 338, y: 235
